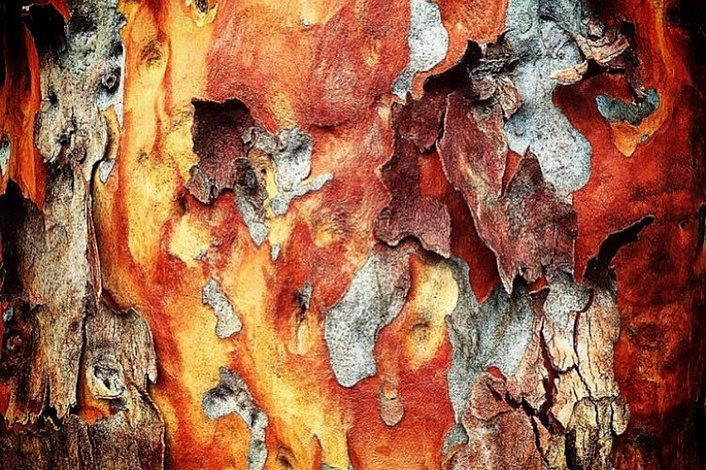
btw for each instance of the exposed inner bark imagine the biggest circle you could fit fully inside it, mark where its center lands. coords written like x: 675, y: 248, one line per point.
x: 335, y: 235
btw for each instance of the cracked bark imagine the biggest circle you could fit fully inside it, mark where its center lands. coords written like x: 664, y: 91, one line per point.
x: 335, y: 235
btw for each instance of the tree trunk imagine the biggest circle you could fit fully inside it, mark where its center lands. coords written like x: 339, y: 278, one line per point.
x: 379, y: 234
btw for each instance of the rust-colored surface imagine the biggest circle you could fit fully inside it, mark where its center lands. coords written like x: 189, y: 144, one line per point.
x: 432, y: 174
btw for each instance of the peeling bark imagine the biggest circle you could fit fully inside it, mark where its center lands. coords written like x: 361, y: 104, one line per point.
x: 403, y: 234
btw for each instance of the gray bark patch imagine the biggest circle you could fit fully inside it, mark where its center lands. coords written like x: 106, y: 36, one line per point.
x: 494, y: 333
x: 540, y: 33
x: 227, y: 323
x: 428, y: 43
x: 615, y: 110
x: 374, y: 298
x: 232, y: 396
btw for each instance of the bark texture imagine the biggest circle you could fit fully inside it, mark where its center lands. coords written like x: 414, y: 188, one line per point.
x: 345, y: 235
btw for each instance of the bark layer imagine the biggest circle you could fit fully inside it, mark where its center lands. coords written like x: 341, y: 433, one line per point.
x: 334, y: 235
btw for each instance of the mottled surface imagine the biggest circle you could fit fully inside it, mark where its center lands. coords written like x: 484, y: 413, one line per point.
x: 409, y: 234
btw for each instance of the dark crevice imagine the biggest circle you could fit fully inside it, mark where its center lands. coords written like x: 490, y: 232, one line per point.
x: 457, y: 77
x: 202, y: 5
x: 538, y: 443
x: 14, y: 210
x: 572, y: 460
x: 577, y: 321
x: 46, y: 25
x: 702, y: 228
x: 544, y: 413
x: 598, y: 266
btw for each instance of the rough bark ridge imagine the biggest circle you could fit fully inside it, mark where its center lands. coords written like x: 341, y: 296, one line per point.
x: 56, y: 329
x: 334, y: 235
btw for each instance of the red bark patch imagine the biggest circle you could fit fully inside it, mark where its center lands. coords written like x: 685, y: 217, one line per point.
x: 528, y: 227
x: 218, y: 130
x: 409, y: 213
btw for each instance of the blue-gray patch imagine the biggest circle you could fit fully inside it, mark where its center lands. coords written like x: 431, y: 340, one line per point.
x: 615, y: 110
x: 541, y: 34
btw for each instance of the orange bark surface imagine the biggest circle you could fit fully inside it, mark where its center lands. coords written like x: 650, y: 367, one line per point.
x: 327, y: 67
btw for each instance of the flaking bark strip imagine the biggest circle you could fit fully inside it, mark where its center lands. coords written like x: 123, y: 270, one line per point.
x: 80, y: 77
x: 583, y: 410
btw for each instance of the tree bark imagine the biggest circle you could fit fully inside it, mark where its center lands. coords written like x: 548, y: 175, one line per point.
x: 386, y: 234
